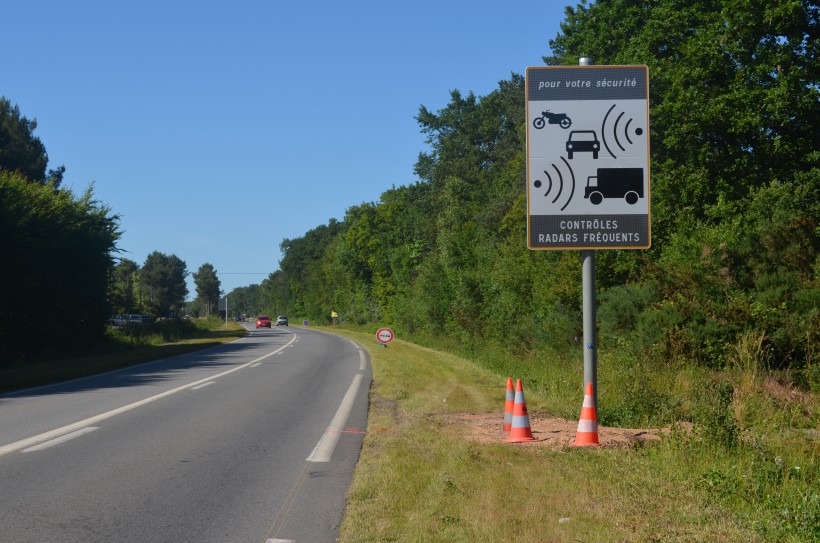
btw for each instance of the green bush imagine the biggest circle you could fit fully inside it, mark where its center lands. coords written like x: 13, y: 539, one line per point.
x: 622, y: 306
x: 163, y: 331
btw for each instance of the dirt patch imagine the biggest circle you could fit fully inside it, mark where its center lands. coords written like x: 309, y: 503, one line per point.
x: 782, y: 392
x: 548, y: 431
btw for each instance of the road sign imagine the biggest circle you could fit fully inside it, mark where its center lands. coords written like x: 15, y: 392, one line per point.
x: 385, y: 335
x: 588, y: 157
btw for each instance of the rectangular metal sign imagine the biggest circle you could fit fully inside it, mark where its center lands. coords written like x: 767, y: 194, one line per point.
x: 588, y: 157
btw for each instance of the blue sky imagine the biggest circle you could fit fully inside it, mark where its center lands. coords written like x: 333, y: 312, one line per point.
x: 218, y: 129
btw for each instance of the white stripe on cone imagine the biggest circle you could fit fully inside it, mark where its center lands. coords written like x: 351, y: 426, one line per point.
x: 589, y: 426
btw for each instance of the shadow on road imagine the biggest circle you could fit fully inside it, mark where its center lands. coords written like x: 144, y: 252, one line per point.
x: 165, y: 362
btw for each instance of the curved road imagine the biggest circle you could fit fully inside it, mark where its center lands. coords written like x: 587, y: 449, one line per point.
x: 253, y: 441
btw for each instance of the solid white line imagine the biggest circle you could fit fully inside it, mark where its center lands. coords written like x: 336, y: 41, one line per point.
x: 324, y: 449
x: 280, y: 541
x: 256, y: 365
x: 61, y: 439
x: 34, y: 440
x: 203, y: 385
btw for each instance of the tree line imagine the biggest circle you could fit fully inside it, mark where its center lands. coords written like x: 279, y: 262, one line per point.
x: 734, y: 111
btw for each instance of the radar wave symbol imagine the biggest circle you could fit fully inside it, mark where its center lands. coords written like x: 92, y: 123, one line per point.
x: 560, y: 185
x: 616, y: 130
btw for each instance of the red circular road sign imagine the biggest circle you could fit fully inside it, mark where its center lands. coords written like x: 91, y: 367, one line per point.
x: 385, y: 335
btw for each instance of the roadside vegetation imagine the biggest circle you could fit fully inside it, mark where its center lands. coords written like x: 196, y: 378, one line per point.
x: 121, y: 347
x: 739, y: 461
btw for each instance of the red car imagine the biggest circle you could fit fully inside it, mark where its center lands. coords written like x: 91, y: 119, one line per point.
x: 262, y: 321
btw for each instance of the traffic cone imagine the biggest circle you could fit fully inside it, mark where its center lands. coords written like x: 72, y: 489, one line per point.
x: 588, y: 424
x: 520, y: 429
x: 509, y: 401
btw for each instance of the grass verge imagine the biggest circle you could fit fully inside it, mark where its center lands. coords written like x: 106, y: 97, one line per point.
x: 421, y: 478
x: 120, y: 349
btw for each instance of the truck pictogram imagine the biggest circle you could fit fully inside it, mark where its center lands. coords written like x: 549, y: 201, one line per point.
x: 626, y: 183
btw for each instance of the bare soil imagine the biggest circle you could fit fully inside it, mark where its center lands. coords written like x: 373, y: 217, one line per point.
x: 548, y: 431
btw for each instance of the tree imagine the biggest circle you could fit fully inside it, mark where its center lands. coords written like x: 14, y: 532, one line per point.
x: 124, y: 287
x: 163, y: 283
x: 22, y: 151
x: 734, y: 90
x: 57, y: 257
x: 207, y: 287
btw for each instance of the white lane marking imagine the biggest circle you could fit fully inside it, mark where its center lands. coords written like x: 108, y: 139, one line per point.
x: 61, y: 439
x: 45, y: 436
x: 280, y: 541
x: 203, y: 385
x: 256, y: 365
x: 324, y: 449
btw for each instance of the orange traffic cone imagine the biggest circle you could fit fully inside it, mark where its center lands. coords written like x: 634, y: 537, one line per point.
x: 509, y: 401
x: 520, y: 428
x: 588, y: 424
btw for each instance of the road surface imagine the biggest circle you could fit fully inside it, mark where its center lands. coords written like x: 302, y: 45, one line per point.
x: 252, y: 441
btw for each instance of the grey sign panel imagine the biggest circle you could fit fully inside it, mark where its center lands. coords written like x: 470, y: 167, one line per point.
x: 587, y: 83
x: 588, y: 157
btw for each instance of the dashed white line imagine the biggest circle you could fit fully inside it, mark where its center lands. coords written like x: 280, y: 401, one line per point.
x: 61, y: 439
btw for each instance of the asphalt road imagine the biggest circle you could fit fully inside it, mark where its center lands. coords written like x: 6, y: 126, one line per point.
x: 253, y: 441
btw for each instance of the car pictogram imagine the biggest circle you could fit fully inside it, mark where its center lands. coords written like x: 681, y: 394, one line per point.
x: 585, y: 141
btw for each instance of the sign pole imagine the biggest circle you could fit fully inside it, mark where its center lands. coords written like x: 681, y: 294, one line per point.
x: 590, y: 332
x: 589, y: 307
x: 385, y: 336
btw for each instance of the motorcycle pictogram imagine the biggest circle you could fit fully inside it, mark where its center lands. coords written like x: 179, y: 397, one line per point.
x: 560, y: 119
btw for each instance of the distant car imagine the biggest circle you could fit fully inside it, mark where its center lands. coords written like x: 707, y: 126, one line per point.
x: 139, y: 319
x: 281, y: 320
x: 124, y: 320
x: 118, y: 320
x: 583, y: 141
x: 262, y: 321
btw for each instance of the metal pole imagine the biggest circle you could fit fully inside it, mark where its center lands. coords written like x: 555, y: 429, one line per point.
x: 590, y: 329
x: 590, y: 332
